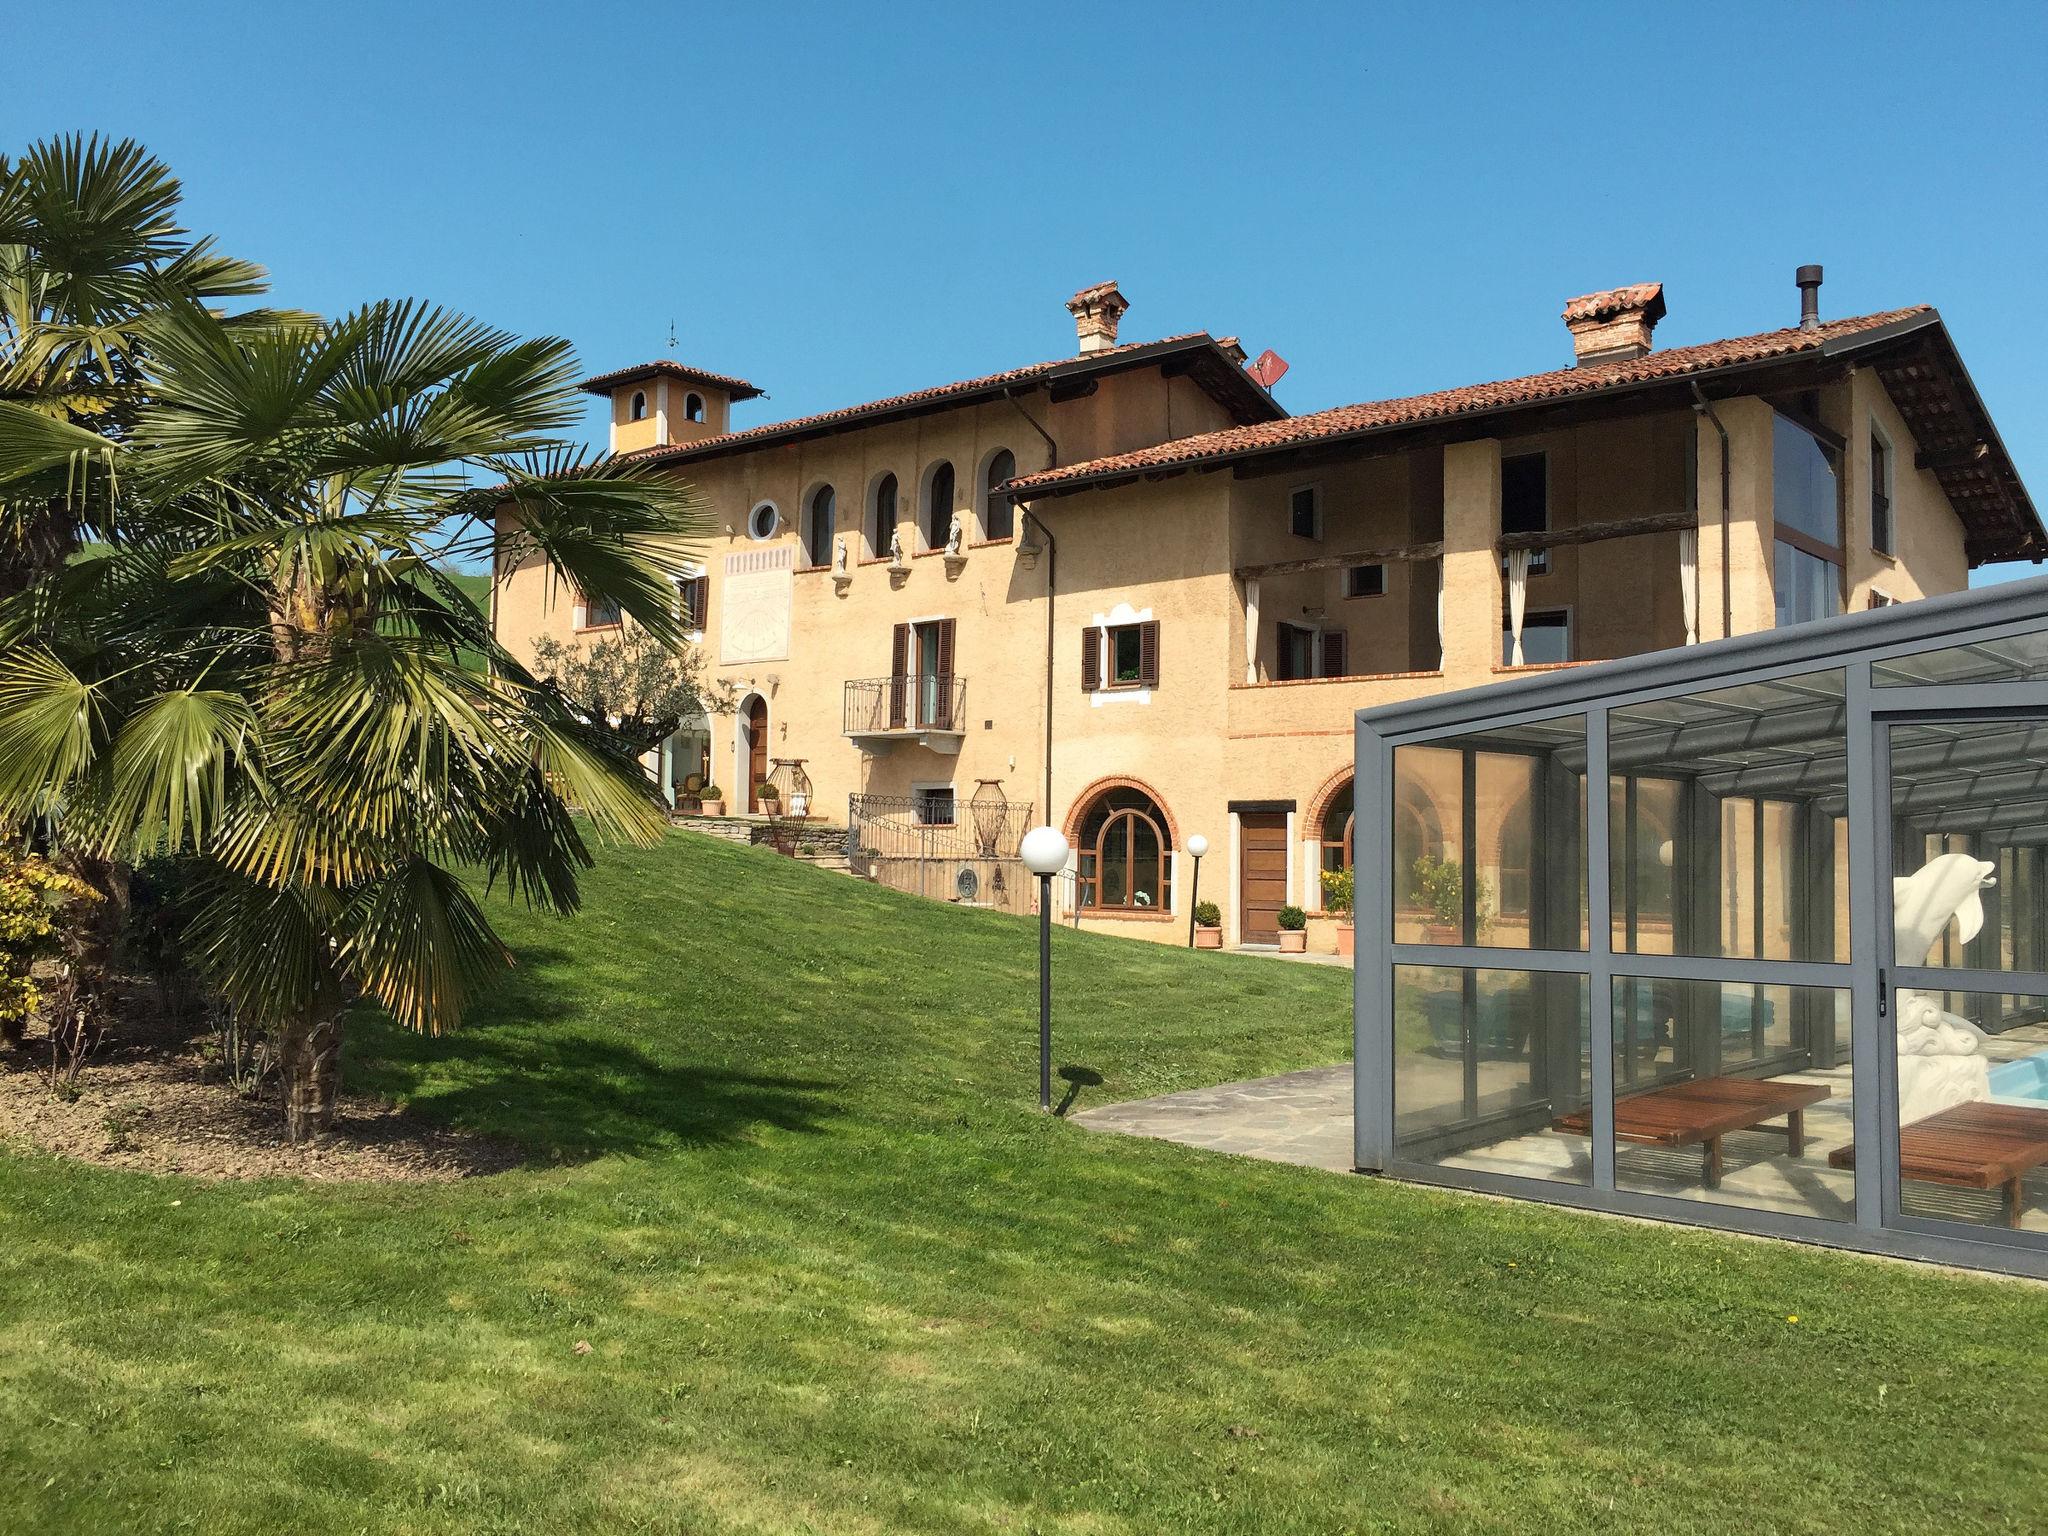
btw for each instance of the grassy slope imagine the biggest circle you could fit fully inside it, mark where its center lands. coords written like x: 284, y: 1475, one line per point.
x: 837, y: 1275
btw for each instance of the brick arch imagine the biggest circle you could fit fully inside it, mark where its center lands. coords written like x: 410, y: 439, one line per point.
x: 1319, y: 805
x: 1100, y: 787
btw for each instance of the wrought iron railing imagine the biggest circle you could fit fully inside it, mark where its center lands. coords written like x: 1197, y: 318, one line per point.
x: 892, y: 840
x: 876, y: 706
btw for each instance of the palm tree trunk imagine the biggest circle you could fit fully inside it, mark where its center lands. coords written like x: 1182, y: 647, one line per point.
x: 309, y: 1055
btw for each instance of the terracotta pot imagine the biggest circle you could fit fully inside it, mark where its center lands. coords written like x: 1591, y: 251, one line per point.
x: 1208, y: 938
x: 1346, y: 937
x: 712, y: 807
x: 1293, y: 941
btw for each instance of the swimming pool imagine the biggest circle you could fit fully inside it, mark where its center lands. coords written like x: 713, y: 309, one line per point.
x: 2024, y: 1079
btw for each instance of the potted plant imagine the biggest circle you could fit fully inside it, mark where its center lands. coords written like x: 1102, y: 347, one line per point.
x: 1293, y: 931
x: 1337, y: 891
x: 768, y: 797
x: 1440, y: 885
x: 1208, y: 925
x: 711, y: 800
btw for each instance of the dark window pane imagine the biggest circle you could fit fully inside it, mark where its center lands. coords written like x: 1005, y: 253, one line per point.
x: 1302, y: 513
x: 1127, y: 653
x: 1524, y: 494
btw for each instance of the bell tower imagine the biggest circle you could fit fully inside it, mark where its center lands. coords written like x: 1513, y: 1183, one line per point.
x: 664, y: 403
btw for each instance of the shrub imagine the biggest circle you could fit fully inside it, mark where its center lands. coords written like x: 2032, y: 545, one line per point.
x: 1292, y: 919
x: 710, y: 792
x: 766, y: 791
x: 1208, y: 915
x: 34, y: 896
x: 1337, y: 891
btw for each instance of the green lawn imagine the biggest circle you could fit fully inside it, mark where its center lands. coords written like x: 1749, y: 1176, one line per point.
x: 838, y: 1275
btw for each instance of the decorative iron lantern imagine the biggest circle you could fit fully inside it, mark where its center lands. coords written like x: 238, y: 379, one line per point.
x: 990, y: 808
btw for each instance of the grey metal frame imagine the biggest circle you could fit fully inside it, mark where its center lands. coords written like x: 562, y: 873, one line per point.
x: 1850, y: 643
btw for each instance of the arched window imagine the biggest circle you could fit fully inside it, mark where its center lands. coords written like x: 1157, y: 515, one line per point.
x: 1337, y: 830
x: 938, y: 505
x: 998, y: 514
x: 1123, y: 845
x: 819, y: 517
x: 693, y: 407
x: 882, y: 516
x: 639, y: 406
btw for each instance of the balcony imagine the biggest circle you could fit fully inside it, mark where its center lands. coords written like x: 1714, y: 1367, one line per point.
x: 929, y: 709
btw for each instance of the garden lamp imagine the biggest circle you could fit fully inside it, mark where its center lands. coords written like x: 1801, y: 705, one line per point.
x: 1197, y: 845
x: 1045, y: 854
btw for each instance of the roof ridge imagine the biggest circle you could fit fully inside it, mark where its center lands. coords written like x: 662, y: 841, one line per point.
x: 915, y: 396
x: 1458, y: 400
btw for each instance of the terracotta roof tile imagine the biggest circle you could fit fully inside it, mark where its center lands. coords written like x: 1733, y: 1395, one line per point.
x: 603, y: 383
x: 1471, y: 399
x: 936, y: 395
x: 1617, y: 301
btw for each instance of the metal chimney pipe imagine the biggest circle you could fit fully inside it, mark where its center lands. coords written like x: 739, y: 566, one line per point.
x: 1808, y: 278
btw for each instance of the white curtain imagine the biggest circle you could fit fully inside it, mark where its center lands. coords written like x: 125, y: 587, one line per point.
x: 1689, y: 582
x: 1440, y: 578
x: 1518, y: 599
x: 1251, y: 631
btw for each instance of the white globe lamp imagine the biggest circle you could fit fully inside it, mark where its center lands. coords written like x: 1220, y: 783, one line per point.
x: 1197, y: 846
x: 1044, y: 853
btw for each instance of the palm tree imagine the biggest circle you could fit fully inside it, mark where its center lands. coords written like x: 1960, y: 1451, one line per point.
x: 90, y: 254
x: 266, y: 667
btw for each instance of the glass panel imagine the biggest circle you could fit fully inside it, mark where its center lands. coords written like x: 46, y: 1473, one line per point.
x: 1486, y: 1065
x: 1808, y: 587
x: 1969, y: 837
x: 1642, y: 831
x: 1727, y: 822
x: 1804, y: 494
x: 1973, y: 1108
x: 2015, y: 659
x: 1116, y: 862
x: 1145, y: 864
x: 1126, y: 661
x: 1734, y: 1092
x: 1489, y: 838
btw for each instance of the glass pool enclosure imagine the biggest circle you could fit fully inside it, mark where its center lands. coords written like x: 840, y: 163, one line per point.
x: 1751, y: 934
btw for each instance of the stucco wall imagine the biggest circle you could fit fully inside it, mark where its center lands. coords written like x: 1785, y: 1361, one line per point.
x: 1166, y: 550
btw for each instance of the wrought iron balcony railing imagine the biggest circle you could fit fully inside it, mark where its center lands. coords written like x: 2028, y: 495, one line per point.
x: 910, y: 705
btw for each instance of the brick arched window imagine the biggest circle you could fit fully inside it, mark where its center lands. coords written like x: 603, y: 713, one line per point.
x: 1124, y: 840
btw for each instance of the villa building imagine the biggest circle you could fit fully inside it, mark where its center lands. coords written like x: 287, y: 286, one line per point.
x: 1129, y: 589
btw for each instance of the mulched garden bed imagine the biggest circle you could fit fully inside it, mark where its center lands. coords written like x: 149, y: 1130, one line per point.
x: 151, y: 1099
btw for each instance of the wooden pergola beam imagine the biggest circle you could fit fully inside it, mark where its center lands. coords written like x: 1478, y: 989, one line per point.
x: 1390, y: 555
x: 1593, y: 533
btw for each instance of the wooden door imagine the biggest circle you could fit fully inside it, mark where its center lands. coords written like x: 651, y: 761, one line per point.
x: 757, y: 749
x: 1262, y: 875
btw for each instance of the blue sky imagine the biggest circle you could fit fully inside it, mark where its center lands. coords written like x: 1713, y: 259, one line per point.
x: 849, y: 201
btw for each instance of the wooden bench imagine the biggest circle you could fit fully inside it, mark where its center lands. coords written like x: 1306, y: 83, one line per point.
x: 1973, y: 1146
x: 1703, y: 1110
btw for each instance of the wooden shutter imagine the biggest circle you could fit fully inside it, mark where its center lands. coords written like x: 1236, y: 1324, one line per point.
x: 1091, y: 659
x: 1333, y: 653
x: 899, y: 666
x: 1148, y: 654
x: 696, y: 597
x: 943, y: 687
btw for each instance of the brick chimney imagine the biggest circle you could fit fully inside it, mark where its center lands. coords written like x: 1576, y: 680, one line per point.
x: 1096, y: 312
x: 1614, y: 326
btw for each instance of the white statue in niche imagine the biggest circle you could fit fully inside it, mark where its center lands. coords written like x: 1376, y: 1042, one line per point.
x: 896, y: 547
x: 1941, y: 1055
x: 956, y: 535
x: 839, y: 556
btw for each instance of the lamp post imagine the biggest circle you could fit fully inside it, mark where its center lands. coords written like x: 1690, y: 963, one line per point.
x: 1045, y: 854
x: 1197, y: 845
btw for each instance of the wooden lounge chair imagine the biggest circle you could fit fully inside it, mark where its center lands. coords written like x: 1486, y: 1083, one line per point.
x: 1974, y: 1146
x: 1703, y: 1110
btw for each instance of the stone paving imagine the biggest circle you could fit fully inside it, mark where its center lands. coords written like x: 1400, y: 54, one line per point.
x: 1297, y: 1117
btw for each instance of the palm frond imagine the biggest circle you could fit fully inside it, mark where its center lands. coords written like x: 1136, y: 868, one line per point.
x: 169, y: 779
x: 417, y: 942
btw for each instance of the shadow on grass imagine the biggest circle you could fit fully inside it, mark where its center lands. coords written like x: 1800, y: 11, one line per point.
x: 1076, y: 1078
x: 533, y: 1067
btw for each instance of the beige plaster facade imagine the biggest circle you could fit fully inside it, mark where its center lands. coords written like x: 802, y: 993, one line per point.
x: 1219, y: 735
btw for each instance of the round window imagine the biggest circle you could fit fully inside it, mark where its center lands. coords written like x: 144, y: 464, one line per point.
x: 761, y: 525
